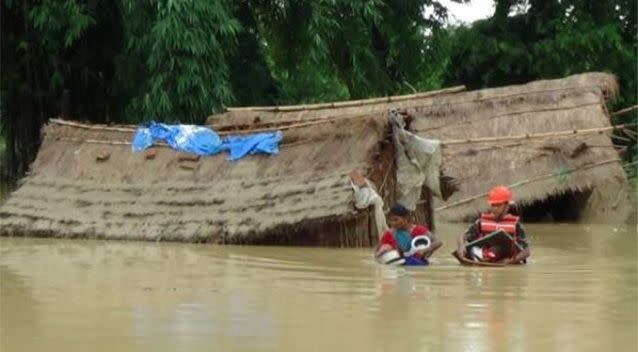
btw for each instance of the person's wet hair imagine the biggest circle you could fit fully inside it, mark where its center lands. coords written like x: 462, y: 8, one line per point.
x: 399, y: 210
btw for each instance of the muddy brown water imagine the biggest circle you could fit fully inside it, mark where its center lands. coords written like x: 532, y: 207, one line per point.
x: 578, y: 293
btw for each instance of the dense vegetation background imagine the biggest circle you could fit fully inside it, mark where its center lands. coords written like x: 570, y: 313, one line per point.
x: 181, y: 60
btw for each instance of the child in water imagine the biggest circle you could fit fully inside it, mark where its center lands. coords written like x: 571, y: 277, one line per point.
x: 402, y: 232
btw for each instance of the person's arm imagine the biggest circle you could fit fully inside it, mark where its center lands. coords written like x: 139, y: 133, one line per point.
x: 521, y: 240
x: 358, y: 179
x: 519, y: 257
x: 471, y: 233
x: 435, y: 243
x: 386, y: 242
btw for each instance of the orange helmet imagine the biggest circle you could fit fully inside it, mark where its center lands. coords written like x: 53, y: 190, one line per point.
x: 499, y: 195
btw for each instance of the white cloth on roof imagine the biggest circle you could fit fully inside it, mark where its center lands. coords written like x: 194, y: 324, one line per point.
x: 418, y: 162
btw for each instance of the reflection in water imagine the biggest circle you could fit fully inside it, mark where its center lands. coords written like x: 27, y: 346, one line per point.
x: 16, y: 305
x: 578, y: 293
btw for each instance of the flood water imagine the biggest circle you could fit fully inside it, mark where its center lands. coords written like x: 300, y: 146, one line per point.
x: 578, y: 293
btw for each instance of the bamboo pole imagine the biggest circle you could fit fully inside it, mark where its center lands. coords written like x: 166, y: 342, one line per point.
x: 630, y: 133
x: 513, y: 113
x: 98, y: 141
x: 624, y: 111
x: 350, y: 103
x: 221, y: 133
x: 230, y: 129
x: 531, y: 136
x: 621, y: 138
x: 527, y: 149
x: 296, y: 125
x: 92, y: 127
x: 95, y: 141
x: 160, y: 144
x: 270, y: 129
x: 465, y: 101
x: 618, y: 147
x: 478, y: 150
x: 524, y: 182
x: 385, y: 178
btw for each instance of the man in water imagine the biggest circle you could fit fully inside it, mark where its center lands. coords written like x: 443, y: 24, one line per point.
x: 402, y: 231
x: 498, y: 219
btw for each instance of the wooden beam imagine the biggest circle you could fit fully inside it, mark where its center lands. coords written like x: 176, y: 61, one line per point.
x: 624, y: 111
x: 532, y: 136
x: 524, y: 182
x: 342, y: 104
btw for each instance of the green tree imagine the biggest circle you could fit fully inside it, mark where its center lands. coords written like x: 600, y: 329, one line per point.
x: 132, y: 60
x: 182, y: 50
x: 326, y: 50
x: 46, y: 47
x: 551, y: 39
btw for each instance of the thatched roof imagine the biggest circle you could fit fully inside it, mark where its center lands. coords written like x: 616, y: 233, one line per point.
x: 73, y: 191
x: 81, y: 186
x: 535, y: 167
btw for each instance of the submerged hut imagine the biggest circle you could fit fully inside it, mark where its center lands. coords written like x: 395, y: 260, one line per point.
x: 86, y: 182
x: 548, y: 140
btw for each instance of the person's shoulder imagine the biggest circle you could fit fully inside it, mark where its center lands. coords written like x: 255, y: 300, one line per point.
x: 387, y: 238
x: 387, y: 233
x: 419, y: 230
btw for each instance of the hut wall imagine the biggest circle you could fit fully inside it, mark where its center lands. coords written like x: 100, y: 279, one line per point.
x: 358, y: 228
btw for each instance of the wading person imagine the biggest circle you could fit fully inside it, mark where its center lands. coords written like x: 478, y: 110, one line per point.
x: 498, y: 219
x: 402, y: 234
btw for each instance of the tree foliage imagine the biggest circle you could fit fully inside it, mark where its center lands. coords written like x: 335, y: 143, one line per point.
x: 134, y: 60
x: 168, y: 60
x: 181, y: 48
x: 46, y: 48
x: 551, y: 39
x: 527, y: 40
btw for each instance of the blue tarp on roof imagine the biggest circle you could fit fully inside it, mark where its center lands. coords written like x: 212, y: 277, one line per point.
x: 204, y: 141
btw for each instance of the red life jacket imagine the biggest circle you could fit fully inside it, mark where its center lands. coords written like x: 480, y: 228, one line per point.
x: 489, y: 224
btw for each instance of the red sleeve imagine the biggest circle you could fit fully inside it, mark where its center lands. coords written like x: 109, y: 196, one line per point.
x: 419, y: 230
x: 388, y: 239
